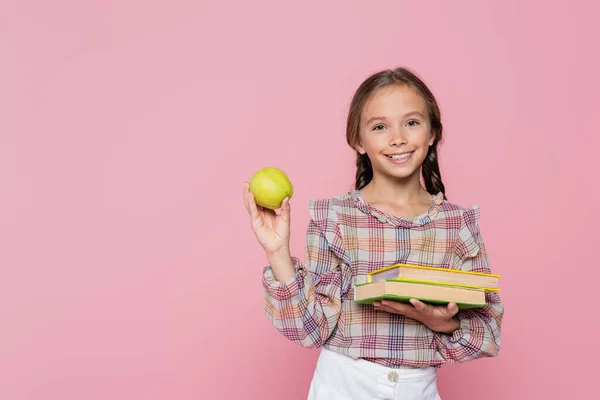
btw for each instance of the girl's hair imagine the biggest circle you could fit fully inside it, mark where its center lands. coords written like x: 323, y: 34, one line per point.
x: 402, y: 77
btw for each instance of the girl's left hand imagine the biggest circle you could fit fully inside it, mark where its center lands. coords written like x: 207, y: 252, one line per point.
x: 437, y: 318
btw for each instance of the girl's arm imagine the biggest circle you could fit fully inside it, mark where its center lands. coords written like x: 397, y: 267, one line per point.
x: 305, y: 307
x: 478, y: 334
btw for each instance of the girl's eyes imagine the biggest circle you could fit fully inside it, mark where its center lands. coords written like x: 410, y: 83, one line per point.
x: 411, y: 123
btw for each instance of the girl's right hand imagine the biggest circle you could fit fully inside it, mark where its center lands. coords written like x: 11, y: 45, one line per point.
x: 271, y: 229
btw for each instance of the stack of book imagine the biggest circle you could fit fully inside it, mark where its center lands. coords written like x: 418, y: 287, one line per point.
x: 402, y: 282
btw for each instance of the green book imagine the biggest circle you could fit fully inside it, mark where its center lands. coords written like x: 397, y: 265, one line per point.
x: 428, y: 292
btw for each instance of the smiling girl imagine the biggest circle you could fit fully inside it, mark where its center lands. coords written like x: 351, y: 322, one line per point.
x: 390, y: 349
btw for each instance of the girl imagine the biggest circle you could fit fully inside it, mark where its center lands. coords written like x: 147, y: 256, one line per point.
x: 391, y: 349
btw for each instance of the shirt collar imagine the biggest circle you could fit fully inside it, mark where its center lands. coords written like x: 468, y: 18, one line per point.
x: 394, y: 220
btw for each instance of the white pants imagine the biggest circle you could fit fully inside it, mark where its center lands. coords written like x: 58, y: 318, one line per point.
x: 338, y: 377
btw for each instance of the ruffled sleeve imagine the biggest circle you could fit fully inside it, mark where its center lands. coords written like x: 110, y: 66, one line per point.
x: 306, y: 308
x: 467, y: 246
x: 479, y: 332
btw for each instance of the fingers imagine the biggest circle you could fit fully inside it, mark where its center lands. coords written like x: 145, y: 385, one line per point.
x: 380, y: 307
x: 251, y: 205
x: 434, y: 317
x: 412, y: 310
x: 286, y: 210
x: 419, y: 305
x: 246, y: 191
x: 452, y: 309
x: 395, y: 307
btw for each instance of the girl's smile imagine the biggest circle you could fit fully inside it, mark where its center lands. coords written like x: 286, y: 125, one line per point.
x: 400, y: 158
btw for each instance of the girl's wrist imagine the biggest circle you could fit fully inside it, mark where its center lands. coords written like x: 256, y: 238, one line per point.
x: 279, y: 254
x: 281, y: 263
x: 448, y: 327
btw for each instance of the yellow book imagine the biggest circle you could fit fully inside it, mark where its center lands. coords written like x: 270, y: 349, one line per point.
x: 449, y: 277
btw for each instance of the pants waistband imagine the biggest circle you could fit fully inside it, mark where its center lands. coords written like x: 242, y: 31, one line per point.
x: 402, y: 374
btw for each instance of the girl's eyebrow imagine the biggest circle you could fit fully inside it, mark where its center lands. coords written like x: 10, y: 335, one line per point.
x: 414, y: 113
x: 373, y: 119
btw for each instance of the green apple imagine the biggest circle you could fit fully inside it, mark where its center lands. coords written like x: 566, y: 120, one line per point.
x: 270, y: 186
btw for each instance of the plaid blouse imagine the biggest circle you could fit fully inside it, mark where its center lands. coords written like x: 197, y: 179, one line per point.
x: 346, y: 239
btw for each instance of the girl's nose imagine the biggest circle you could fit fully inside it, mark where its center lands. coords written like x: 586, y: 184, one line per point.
x: 397, y: 137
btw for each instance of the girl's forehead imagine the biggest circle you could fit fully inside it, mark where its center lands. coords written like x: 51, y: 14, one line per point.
x: 394, y: 100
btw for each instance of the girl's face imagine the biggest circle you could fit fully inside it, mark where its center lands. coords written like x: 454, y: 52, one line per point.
x: 395, y: 132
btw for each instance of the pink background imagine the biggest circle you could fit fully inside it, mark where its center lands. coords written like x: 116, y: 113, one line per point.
x: 128, y: 267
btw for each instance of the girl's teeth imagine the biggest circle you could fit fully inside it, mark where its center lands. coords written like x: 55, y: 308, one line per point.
x: 399, y: 156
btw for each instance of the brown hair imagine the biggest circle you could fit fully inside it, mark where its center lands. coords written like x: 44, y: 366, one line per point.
x: 405, y: 77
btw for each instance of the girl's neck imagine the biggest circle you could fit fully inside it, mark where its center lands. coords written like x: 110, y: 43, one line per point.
x: 395, y: 191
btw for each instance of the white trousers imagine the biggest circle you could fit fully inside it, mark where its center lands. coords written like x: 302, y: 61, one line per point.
x: 339, y: 377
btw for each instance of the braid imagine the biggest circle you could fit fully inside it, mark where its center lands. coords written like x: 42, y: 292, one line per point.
x: 431, y: 173
x: 364, y: 170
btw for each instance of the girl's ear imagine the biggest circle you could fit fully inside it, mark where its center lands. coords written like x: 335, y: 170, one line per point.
x: 360, y: 148
x: 432, y: 137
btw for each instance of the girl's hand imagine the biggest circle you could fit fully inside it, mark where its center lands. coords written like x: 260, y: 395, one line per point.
x: 271, y: 229
x: 437, y: 318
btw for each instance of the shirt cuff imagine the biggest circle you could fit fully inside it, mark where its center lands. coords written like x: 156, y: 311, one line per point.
x: 284, y: 290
